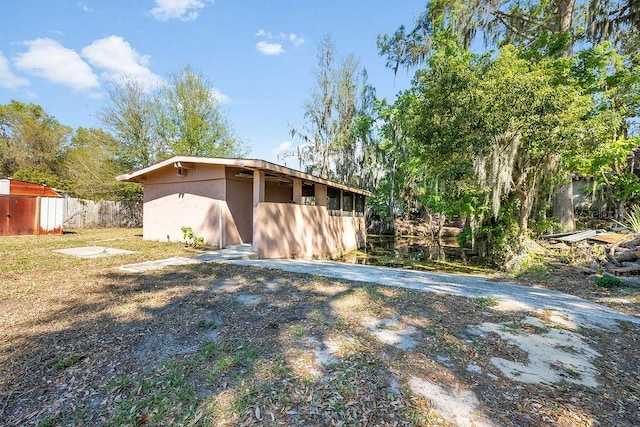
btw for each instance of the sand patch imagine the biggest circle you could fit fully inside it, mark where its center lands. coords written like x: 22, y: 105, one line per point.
x: 326, y: 352
x: 249, y: 299
x: 390, y: 331
x: 460, y: 407
x: 554, y: 354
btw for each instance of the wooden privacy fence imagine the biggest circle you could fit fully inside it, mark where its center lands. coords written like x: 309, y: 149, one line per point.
x: 89, y: 214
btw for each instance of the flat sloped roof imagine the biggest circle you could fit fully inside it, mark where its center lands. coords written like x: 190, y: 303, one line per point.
x: 250, y: 164
x: 16, y: 187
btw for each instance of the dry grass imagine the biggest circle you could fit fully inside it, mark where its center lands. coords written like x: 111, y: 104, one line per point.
x: 84, y: 344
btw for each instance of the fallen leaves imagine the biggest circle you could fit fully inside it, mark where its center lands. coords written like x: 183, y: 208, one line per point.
x: 102, y: 346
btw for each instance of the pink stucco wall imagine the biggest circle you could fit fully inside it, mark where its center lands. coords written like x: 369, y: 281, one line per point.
x: 300, y: 231
x: 250, y: 209
x: 197, y: 200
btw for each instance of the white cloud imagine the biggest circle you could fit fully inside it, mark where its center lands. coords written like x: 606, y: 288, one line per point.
x: 185, y: 10
x: 263, y: 33
x: 218, y: 96
x: 296, y: 39
x: 269, y: 48
x: 282, y: 148
x: 120, y: 61
x: 84, y: 7
x: 49, y: 59
x: 7, y: 78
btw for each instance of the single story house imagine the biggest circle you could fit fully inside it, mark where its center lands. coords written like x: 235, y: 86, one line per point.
x: 282, y: 212
x: 27, y: 208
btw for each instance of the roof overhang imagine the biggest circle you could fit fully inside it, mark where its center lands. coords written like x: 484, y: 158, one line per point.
x: 189, y: 162
x: 16, y: 187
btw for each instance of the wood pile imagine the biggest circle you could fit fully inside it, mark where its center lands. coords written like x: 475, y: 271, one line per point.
x: 624, y: 258
x: 619, y: 254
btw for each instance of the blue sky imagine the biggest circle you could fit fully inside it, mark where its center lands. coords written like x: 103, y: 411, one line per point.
x: 259, y: 55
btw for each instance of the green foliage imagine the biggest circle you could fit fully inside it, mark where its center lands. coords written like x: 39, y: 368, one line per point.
x: 632, y: 220
x: 184, y: 117
x: 465, y: 237
x: 486, y: 302
x: 31, y: 141
x: 65, y: 362
x: 504, y: 243
x: 190, y: 238
x: 39, y: 176
x: 129, y: 118
x: 51, y: 420
x: 542, y: 226
x: 162, y: 393
x: 190, y: 121
x: 609, y: 281
x: 491, y: 130
x: 338, y: 139
x: 500, y: 130
x: 91, y: 167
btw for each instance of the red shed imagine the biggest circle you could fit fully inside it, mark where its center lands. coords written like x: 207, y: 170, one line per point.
x: 27, y: 208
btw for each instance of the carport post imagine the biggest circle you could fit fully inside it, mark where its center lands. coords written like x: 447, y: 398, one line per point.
x: 258, y: 197
x: 297, y: 191
x: 258, y: 187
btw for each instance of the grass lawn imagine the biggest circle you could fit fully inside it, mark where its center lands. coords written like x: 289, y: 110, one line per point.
x: 82, y: 343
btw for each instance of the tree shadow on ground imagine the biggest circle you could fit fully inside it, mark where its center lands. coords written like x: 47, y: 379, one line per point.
x: 217, y: 344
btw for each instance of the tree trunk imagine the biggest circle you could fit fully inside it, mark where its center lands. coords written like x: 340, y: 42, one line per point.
x: 523, y: 220
x: 563, y: 207
x: 565, y: 16
x: 563, y: 198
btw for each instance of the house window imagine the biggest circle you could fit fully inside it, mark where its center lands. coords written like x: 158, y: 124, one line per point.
x: 359, y: 205
x: 347, y: 203
x: 333, y: 201
x: 308, y: 194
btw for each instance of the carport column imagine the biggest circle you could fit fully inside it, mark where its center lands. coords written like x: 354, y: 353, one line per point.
x: 320, y: 192
x: 258, y: 197
x: 297, y: 191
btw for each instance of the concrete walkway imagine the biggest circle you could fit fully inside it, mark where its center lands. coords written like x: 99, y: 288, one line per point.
x: 239, y: 252
x: 565, y: 309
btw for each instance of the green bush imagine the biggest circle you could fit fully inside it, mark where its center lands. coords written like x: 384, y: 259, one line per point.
x: 632, y: 220
x: 609, y: 281
x: 464, y: 238
x: 190, y: 238
x: 504, y: 242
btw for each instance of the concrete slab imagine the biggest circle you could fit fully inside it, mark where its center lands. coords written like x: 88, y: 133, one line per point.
x: 575, y: 312
x: 93, y: 251
x: 239, y: 252
x: 230, y: 252
x: 141, y: 267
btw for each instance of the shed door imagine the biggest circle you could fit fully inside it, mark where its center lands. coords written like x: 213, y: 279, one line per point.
x: 18, y: 215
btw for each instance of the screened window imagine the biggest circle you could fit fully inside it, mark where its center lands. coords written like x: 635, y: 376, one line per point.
x: 359, y: 205
x: 347, y: 202
x: 308, y: 194
x: 333, y: 201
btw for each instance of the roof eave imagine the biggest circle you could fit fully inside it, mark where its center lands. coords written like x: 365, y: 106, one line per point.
x: 254, y: 164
